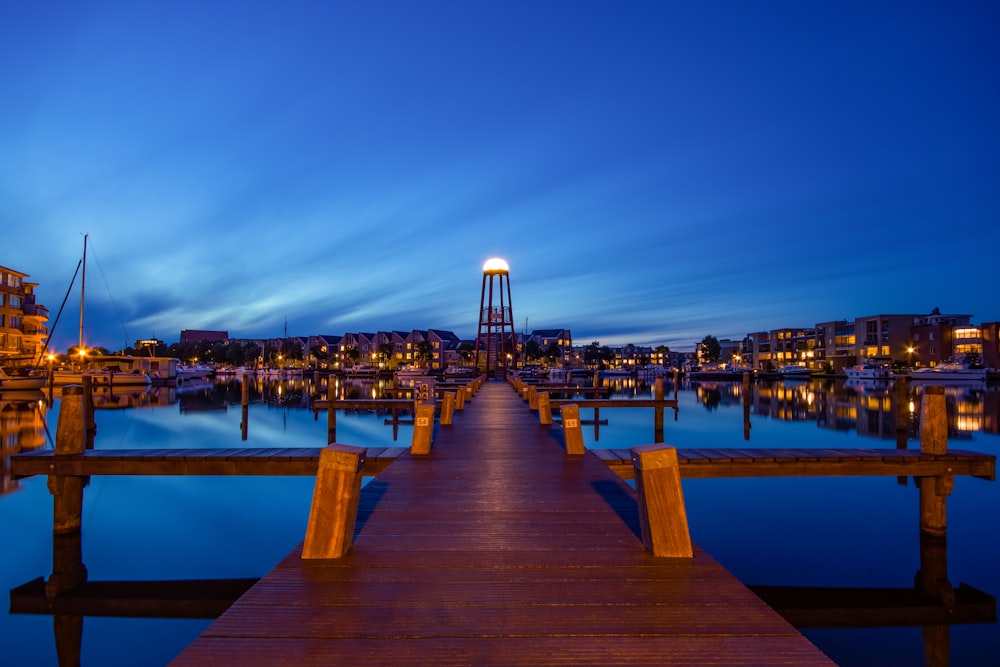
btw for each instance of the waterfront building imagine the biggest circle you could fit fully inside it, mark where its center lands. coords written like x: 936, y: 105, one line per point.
x: 884, y: 337
x: 200, y: 335
x: 990, y: 332
x: 323, y: 351
x: 835, y: 345
x: 562, y: 339
x: 23, y: 322
x: 781, y: 347
x: 936, y: 338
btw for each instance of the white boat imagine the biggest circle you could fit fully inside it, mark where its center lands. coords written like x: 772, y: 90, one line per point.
x: 20, y: 378
x: 794, y: 371
x: 869, y: 370
x: 101, y: 377
x: 186, y: 372
x: 410, y: 371
x: 949, y: 371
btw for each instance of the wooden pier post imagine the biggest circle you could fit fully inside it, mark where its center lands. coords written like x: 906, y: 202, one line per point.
x: 244, y: 407
x: 88, y: 407
x: 544, y: 408
x: 334, y: 508
x: 746, y: 405
x: 657, y: 411
x: 934, y: 491
x: 448, y: 408
x: 68, y: 570
x: 532, y: 398
x: 460, y: 398
x: 331, y: 410
x: 662, y: 514
x: 677, y: 381
x: 902, y: 412
x: 423, y: 429
x: 572, y: 430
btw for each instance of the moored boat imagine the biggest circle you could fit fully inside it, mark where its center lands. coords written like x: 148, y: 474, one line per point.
x: 869, y: 370
x: 20, y: 378
x: 949, y: 371
x: 794, y: 371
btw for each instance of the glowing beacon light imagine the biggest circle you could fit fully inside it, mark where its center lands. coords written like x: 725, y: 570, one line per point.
x: 496, y: 265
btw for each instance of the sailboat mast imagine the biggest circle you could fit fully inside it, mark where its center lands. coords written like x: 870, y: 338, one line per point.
x: 83, y: 287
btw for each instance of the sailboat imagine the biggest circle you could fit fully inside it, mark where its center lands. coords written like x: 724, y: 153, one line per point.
x: 107, y: 371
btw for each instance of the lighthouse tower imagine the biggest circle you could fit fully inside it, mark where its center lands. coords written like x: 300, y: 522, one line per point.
x: 495, y: 337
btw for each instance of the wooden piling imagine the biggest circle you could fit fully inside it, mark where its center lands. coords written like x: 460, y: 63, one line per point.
x: 533, y: 397
x: 68, y: 570
x: 933, y: 421
x: 902, y: 404
x: 87, y: 383
x: 331, y: 410
x: 658, y: 411
x: 747, y: 398
x: 934, y: 491
x: 460, y: 398
x: 572, y: 430
x: 334, y: 508
x: 448, y: 408
x: 423, y: 429
x: 245, y: 407
x: 544, y: 408
x: 662, y: 514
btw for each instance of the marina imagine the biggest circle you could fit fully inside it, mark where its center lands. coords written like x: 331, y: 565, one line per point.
x: 771, y: 525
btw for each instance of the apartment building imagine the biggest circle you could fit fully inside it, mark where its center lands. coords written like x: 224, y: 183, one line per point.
x: 915, y: 340
x: 23, y: 322
x: 835, y: 345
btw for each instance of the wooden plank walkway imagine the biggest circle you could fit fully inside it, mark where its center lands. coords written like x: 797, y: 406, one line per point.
x: 498, y: 549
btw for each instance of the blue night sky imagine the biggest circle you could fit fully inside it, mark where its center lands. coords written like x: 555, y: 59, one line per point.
x: 652, y: 171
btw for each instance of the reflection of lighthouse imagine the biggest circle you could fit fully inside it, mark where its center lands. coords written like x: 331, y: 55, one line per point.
x: 498, y: 343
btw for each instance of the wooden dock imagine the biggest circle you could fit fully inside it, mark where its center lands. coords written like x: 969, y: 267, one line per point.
x: 499, y: 549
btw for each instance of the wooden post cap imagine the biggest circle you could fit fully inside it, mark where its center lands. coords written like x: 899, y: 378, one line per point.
x: 342, y: 457
x: 652, y: 457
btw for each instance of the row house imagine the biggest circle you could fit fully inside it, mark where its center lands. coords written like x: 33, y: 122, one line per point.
x: 389, y: 349
x: 23, y: 322
x: 546, y: 338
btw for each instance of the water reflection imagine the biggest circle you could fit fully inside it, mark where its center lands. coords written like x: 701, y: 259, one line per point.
x: 22, y: 429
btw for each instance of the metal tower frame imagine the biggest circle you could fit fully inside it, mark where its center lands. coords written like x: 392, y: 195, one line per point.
x: 492, y: 318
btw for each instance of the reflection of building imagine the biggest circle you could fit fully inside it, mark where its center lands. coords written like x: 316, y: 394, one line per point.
x: 22, y: 428
x: 23, y: 330
x: 871, y: 409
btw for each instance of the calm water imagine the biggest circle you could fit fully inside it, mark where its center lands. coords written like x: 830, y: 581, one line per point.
x: 816, y: 532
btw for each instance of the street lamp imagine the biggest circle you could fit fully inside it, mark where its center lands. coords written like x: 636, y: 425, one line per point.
x: 909, y: 352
